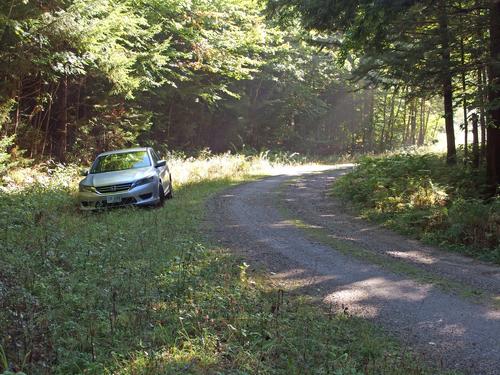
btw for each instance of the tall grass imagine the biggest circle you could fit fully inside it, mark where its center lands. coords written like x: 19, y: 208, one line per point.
x: 141, y: 291
x: 207, y: 166
x: 185, y: 170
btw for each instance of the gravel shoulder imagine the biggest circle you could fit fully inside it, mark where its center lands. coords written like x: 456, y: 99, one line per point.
x: 448, y: 330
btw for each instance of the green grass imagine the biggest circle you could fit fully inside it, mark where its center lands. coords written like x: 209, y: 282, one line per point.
x: 142, y: 291
x: 419, y: 195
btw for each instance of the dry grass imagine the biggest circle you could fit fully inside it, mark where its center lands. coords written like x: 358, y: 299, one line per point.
x: 208, y: 167
x: 185, y: 170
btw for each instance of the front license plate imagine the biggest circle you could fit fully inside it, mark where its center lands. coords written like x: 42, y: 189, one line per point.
x: 114, y: 199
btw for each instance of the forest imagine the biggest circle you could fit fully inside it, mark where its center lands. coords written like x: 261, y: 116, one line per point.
x: 83, y: 76
x: 317, y: 226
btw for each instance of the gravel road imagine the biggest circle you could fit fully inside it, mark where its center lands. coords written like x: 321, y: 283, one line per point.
x: 448, y: 330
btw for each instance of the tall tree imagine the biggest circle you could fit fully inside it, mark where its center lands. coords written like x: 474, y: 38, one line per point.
x: 446, y: 79
x: 394, y: 43
x: 493, y: 153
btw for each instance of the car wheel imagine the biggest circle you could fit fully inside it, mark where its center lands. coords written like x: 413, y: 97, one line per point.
x: 170, y: 193
x: 161, y: 195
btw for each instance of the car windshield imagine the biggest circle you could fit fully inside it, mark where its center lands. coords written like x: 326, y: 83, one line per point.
x: 121, y: 161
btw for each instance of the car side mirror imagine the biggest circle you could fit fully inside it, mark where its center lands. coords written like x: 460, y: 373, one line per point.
x: 84, y: 172
x: 161, y: 163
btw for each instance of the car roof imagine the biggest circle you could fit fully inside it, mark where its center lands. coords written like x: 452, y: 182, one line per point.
x: 134, y: 149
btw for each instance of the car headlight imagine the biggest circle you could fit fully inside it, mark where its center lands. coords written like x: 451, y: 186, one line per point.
x: 86, y: 188
x: 143, y: 181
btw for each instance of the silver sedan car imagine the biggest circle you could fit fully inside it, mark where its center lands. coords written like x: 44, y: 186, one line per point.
x: 135, y: 176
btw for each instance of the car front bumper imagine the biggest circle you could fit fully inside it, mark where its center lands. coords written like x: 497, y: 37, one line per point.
x: 143, y: 195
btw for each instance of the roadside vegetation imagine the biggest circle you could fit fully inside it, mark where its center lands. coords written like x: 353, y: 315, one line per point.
x: 418, y: 195
x: 141, y: 291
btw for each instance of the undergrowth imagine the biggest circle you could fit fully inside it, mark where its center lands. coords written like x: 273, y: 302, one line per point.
x: 419, y: 195
x: 141, y: 291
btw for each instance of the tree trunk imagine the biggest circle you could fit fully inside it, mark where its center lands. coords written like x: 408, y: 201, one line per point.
x: 481, y: 80
x: 396, y: 116
x: 405, y: 134
x: 371, y: 120
x: 482, y: 115
x: 46, y: 132
x: 384, y: 119
x: 169, y: 121
x: 18, y: 108
x: 464, y: 101
x: 421, y: 131
x: 493, y: 131
x: 413, y: 122
x: 426, y: 127
x: 62, y: 128
x: 390, y: 128
x: 475, y: 141
x: 446, y: 79
x: 364, y: 116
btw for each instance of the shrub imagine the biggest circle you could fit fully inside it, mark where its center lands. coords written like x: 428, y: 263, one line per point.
x: 419, y: 194
x: 6, y: 162
x: 474, y: 222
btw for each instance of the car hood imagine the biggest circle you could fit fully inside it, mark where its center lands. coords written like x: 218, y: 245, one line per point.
x: 117, y: 177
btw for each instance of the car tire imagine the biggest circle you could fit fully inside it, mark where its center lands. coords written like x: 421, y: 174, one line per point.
x: 161, y: 195
x: 170, y: 193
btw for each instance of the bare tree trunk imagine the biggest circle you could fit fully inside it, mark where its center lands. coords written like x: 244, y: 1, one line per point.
x: 18, y: 108
x: 396, y: 116
x: 62, y: 128
x: 78, y: 99
x: 49, y: 118
x: 46, y: 133
x: 475, y: 141
x: 372, y: 120
x: 482, y: 118
x: 493, y: 131
x: 413, y: 122
x: 391, y: 119
x: 405, y: 133
x: 384, y: 119
x: 446, y: 79
x: 169, y: 121
x: 427, y: 123
x: 464, y: 101
x: 421, y: 131
x: 363, y: 121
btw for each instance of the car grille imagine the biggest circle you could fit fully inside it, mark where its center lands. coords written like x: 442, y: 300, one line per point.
x: 113, y: 188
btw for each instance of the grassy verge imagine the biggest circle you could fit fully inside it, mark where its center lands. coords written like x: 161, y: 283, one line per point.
x: 141, y: 291
x: 419, y: 195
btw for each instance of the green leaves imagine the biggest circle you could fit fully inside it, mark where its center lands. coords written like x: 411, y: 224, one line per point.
x: 418, y: 195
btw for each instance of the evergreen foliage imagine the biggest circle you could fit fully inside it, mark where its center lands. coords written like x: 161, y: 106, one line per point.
x: 83, y: 76
x: 449, y: 48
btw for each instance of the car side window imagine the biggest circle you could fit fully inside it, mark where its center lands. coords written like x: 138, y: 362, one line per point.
x: 155, y: 157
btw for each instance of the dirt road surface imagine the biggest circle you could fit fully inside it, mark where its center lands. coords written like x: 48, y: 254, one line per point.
x: 445, y: 326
